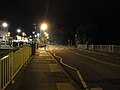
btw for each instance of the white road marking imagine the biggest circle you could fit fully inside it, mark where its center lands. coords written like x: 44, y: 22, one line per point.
x: 94, y: 59
x: 78, y: 73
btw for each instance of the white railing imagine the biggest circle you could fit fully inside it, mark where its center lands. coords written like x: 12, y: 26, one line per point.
x: 108, y: 48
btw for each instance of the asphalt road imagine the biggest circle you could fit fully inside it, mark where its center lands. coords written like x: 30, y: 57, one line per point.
x: 96, y: 71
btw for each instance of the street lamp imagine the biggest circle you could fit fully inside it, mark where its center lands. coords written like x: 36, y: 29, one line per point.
x: 38, y: 34
x: 5, y: 25
x: 46, y: 34
x: 35, y: 36
x: 43, y: 26
x: 47, y: 37
x: 30, y: 36
x: 18, y: 30
x: 33, y: 32
x: 9, y: 33
x: 23, y: 34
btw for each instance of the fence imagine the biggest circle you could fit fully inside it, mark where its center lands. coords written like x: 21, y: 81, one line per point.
x: 108, y: 48
x: 11, y: 63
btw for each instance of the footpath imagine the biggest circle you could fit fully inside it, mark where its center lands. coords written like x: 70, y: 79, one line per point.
x: 42, y: 73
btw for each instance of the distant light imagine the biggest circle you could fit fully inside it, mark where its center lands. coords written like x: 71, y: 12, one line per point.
x: 23, y: 34
x: 30, y: 36
x: 44, y: 26
x: 9, y: 33
x: 47, y: 37
x: 4, y: 24
x: 33, y: 32
x: 45, y: 33
x: 18, y: 30
x: 35, y: 35
x: 18, y: 37
x: 38, y: 34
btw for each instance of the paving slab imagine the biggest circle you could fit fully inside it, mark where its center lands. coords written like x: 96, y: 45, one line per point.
x: 65, y: 86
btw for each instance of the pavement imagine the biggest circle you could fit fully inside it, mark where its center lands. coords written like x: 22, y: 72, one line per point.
x: 42, y: 73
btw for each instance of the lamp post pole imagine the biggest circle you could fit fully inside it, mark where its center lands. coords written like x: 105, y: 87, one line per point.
x: 5, y: 25
x: 43, y: 28
x: 18, y: 31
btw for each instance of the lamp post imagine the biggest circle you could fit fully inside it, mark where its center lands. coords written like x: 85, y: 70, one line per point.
x: 33, y: 37
x: 19, y: 37
x: 23, y: 34
x: 33, y: 42
x: 5, y: 25
x: 18, y: 30
x: 46, y: 37
x: 43, y: 28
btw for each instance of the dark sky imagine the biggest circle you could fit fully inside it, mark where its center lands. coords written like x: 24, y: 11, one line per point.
x: 64, y: 13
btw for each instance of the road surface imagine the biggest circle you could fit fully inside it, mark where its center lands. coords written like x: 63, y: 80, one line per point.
x: 90, y: 71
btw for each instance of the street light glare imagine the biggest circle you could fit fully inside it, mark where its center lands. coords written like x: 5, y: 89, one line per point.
x: 4, y: 24
x: 38, y: 34
x: 18, y: 30
x: 23, y: 34
x: 46, y: 35
x: 30, y: 36
x: 44, y: 26
x: 33, y: 32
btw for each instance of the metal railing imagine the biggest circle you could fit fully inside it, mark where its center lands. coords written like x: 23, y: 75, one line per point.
x: 11, y: 63
x: 108, y: 48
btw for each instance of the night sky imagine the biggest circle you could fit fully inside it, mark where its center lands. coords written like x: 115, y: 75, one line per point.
x: 69, y: 14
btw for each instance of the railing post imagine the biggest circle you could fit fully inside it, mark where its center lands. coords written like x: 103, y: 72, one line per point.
x: 93, y: 47
x: 112, y: 48
x: 109, y: 48
x: 100, y: 47
x: 11, y: 65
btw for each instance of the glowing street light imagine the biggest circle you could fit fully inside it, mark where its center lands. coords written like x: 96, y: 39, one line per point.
x: 43, y: 27
x: 33, y: 32
x: 38, y: 34
x: 9, y: 33
x: 35, y: 36
x: 4, y: 24
x: 18, y: 30
x: 23, y: 34
x: 30, y: 36
x: 46, y: 34
x: 47, y: 37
